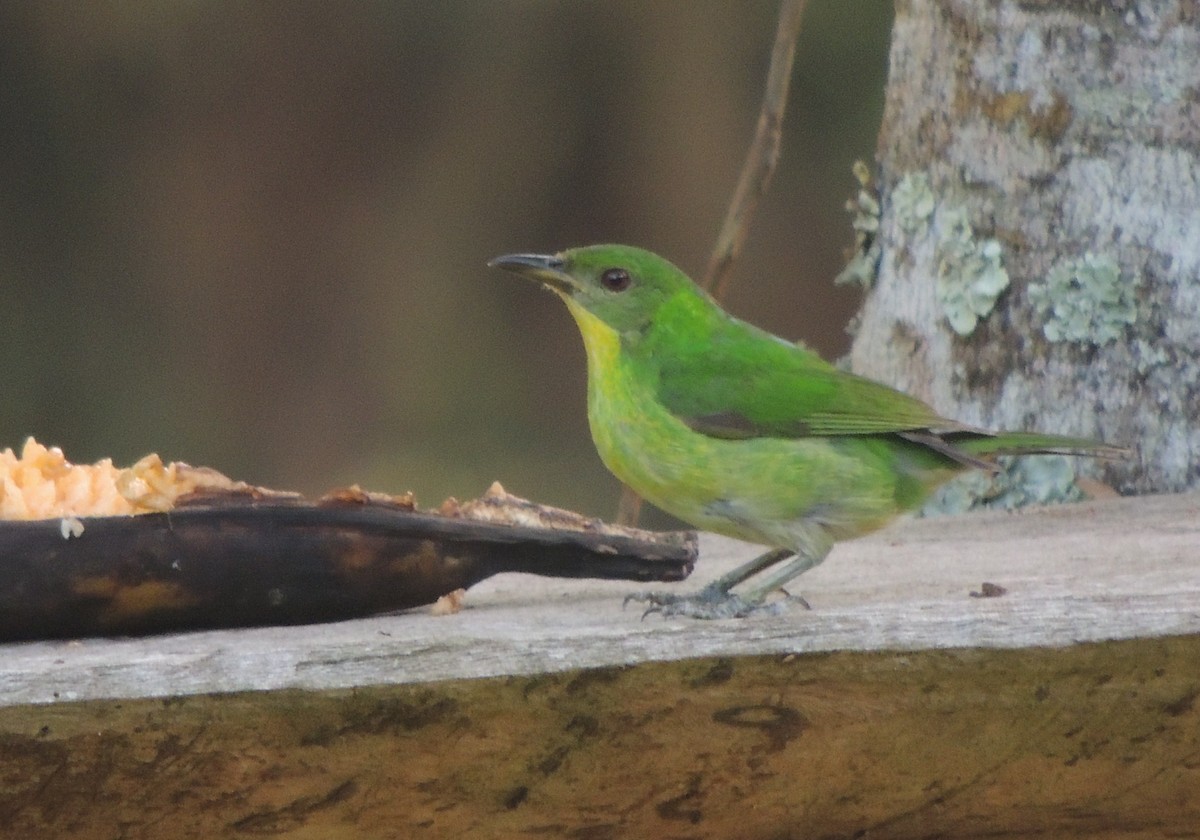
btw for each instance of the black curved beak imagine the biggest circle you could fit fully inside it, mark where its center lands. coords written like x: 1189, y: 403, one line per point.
x: 547, y: 270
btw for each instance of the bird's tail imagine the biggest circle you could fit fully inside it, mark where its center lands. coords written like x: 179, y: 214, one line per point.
x: 1031, y: 443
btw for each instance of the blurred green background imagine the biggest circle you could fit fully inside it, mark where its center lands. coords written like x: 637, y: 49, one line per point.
x: 253, y: 235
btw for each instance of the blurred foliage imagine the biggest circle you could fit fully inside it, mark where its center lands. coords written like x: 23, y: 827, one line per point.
x: 253, y: 235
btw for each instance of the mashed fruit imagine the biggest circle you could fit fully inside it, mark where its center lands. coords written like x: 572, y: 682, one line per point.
x: 41, y: 483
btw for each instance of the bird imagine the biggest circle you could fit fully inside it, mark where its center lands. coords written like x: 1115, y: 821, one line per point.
x: 740, y: 432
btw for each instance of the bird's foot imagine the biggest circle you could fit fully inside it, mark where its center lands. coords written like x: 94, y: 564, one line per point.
x: 711, y: 602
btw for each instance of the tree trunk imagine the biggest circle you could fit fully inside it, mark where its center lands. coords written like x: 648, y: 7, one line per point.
x: 1039, y: 228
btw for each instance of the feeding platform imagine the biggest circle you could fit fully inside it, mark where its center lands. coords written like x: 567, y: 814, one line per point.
x: 998, y: 675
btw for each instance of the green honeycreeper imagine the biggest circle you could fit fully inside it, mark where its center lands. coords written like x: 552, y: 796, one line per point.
x: 736, y: 431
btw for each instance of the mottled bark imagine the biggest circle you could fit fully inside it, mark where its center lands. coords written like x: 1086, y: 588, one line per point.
x: 1067, y: 136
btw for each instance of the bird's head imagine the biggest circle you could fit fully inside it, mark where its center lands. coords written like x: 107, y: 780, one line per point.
x: 619, y: 285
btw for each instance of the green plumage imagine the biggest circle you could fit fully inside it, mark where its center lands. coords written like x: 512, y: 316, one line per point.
x: 737, y: 431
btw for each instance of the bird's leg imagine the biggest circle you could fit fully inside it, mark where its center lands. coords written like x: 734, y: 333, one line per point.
x: 716, y: 600
x: 744, y: 572
x: 780, y: 578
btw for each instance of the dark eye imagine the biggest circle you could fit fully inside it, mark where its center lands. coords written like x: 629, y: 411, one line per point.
x: 616, y: 279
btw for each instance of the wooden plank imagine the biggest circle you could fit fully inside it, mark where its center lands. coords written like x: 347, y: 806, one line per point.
x: 1096, y: 740
x: 899, y: 706
x: 1116, y: 569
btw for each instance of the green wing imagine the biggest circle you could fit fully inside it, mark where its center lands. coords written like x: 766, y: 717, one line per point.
x: 728, y: 379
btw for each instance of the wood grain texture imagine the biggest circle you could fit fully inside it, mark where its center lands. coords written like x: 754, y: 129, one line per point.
x: 1116, y: 569
x: 899, y: 706
x: 1097, y: 740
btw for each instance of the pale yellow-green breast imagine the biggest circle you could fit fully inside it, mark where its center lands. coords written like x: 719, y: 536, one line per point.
x: 764, y: 490
x: 638, y: 440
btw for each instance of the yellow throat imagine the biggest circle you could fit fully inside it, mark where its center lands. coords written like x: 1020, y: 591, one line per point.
x: 601, y: 341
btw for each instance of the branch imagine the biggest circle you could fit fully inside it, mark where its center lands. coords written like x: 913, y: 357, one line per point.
x: 764, y: 151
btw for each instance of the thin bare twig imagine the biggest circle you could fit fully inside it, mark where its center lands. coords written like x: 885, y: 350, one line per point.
x: 752, y: 184
x: 763, y: 154
x: 629, y: 507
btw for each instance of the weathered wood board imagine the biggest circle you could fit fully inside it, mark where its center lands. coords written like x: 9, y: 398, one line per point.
x: 899, y: 706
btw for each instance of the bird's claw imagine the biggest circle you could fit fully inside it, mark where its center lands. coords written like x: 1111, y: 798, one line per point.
x: 789, y: 598
x: 654, y: 599
x: 653, y: 608
x: 709, y: 603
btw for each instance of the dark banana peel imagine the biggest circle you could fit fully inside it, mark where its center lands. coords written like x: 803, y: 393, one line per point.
x: 254, y: 557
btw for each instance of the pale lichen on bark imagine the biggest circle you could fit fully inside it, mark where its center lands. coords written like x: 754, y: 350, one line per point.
x: 1070, y: 134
